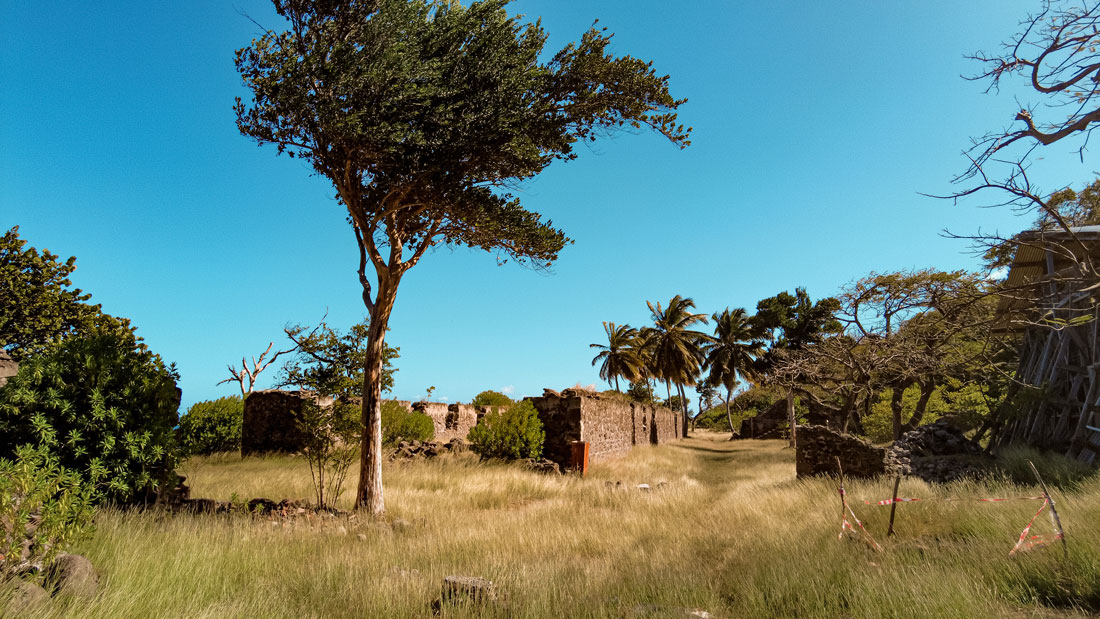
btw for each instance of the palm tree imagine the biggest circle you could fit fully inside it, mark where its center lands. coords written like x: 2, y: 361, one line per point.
x: 736, y: 345
x: 618, y: 356
x: 677, y: 350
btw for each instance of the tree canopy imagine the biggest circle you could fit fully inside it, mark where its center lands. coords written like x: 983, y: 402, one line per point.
x: 38, y: 305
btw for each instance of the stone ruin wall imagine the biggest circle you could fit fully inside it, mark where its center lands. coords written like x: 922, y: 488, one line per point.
x: 8, y: 367
x: 610, y: 426
x: 451, y: 421
x: 271, y: 420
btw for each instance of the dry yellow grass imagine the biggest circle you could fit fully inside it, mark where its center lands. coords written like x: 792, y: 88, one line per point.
x: 731, y: 531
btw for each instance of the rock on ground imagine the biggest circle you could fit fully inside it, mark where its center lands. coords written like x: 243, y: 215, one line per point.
x: 21, y: 597
x: 72, y: 575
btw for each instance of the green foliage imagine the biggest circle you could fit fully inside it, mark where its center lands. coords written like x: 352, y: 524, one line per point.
x: 212, y: 426
x: 511, y: 434
x: 487, y: 399
x: 434, y: 103
x: 794, y: 322
x: 332, y: 435
x: 621, y: 356
x: 398, y: 423
x: 331, y: 363
x: 641, y: 391
x: 44, y: 508
x: 39, y: 306
x: 102, y: 405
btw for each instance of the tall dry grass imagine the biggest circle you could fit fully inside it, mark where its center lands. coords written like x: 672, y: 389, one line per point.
x: 731, y: 531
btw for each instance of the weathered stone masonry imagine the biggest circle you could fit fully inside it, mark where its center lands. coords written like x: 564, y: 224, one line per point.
x: 611, y: 426
x: 271, y: 420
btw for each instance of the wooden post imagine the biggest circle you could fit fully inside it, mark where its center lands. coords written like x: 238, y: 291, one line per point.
x: 1053, y: 512
x: 843, y: 499
x: 893, y: 506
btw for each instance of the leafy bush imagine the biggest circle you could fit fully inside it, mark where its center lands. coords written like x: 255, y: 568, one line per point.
x: 103, y: 406
x: 489, y: 399
x: 399, y: 424
x: 212, y: 426
x: 43, y: 509
x: 332, y: 435
x: 513, y: 433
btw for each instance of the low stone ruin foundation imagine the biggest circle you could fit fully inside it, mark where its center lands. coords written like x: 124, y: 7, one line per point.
x: 819, y: 447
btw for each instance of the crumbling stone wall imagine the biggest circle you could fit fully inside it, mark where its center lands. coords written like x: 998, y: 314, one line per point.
x: 611, y: 426
x: 8, y: 367
x: 819, y: 447
x: 449, y: 420
x: 270, y: 423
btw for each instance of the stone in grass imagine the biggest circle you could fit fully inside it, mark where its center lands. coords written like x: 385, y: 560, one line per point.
x: 72, y: 575
x: 467, y: 590
x: 651, y: 610
x: 21, y: 597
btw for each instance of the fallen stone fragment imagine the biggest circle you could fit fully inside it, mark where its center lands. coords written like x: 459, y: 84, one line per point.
x: 466, y: 590
x: 72, y: 575
x: 21, y: 597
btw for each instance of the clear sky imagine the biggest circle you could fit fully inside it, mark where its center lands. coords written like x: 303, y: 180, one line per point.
x: 817, y: 124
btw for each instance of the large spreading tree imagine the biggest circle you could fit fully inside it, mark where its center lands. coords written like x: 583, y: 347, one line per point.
x: 421, y: 114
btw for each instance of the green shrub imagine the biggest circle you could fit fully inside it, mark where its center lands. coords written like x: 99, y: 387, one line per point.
x: 212, y: 426
x: 399, y: 424
x: 489, y: 399
x: 332, y: 435
x: 103, y: 406
x: 43, y: 509
x: 513, y: 433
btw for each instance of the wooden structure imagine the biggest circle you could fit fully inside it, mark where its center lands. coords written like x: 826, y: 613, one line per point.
x: 1052, y: 300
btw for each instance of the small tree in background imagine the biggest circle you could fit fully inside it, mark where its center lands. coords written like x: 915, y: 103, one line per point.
x: 328, y: 366
x: 512, y: 434
x: 331, y: 443
x: 212, y: 426
x: 641, y: 391
x: 491, y: 399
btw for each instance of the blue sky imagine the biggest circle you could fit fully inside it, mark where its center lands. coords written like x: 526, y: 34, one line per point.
x: 817, y: 125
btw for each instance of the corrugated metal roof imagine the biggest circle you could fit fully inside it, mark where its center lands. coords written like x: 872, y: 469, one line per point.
x: 1040, y: 254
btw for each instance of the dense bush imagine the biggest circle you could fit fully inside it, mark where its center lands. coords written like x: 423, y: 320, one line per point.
x: 399, y: 424
x: 513, y: 433
x: 490, y: 399
x: 103, y: 406
x: 212, y: 426
x: 43, y: 509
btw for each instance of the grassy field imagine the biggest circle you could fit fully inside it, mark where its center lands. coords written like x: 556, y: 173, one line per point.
x: 731, y: 532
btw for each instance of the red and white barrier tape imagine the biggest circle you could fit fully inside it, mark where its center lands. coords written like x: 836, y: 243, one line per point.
x: 996, y: 500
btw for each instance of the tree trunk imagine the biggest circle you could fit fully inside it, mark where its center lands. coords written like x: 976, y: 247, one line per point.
x: 683, y: 406
x: 617, y: 384
x: 897, y: 392
x: 926, y: 389
x: 729, y: 415
x: 368, y: 496
x: 790, y: 418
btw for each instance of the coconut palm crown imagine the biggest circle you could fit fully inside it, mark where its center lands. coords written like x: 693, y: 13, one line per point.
x: 618, y: 355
